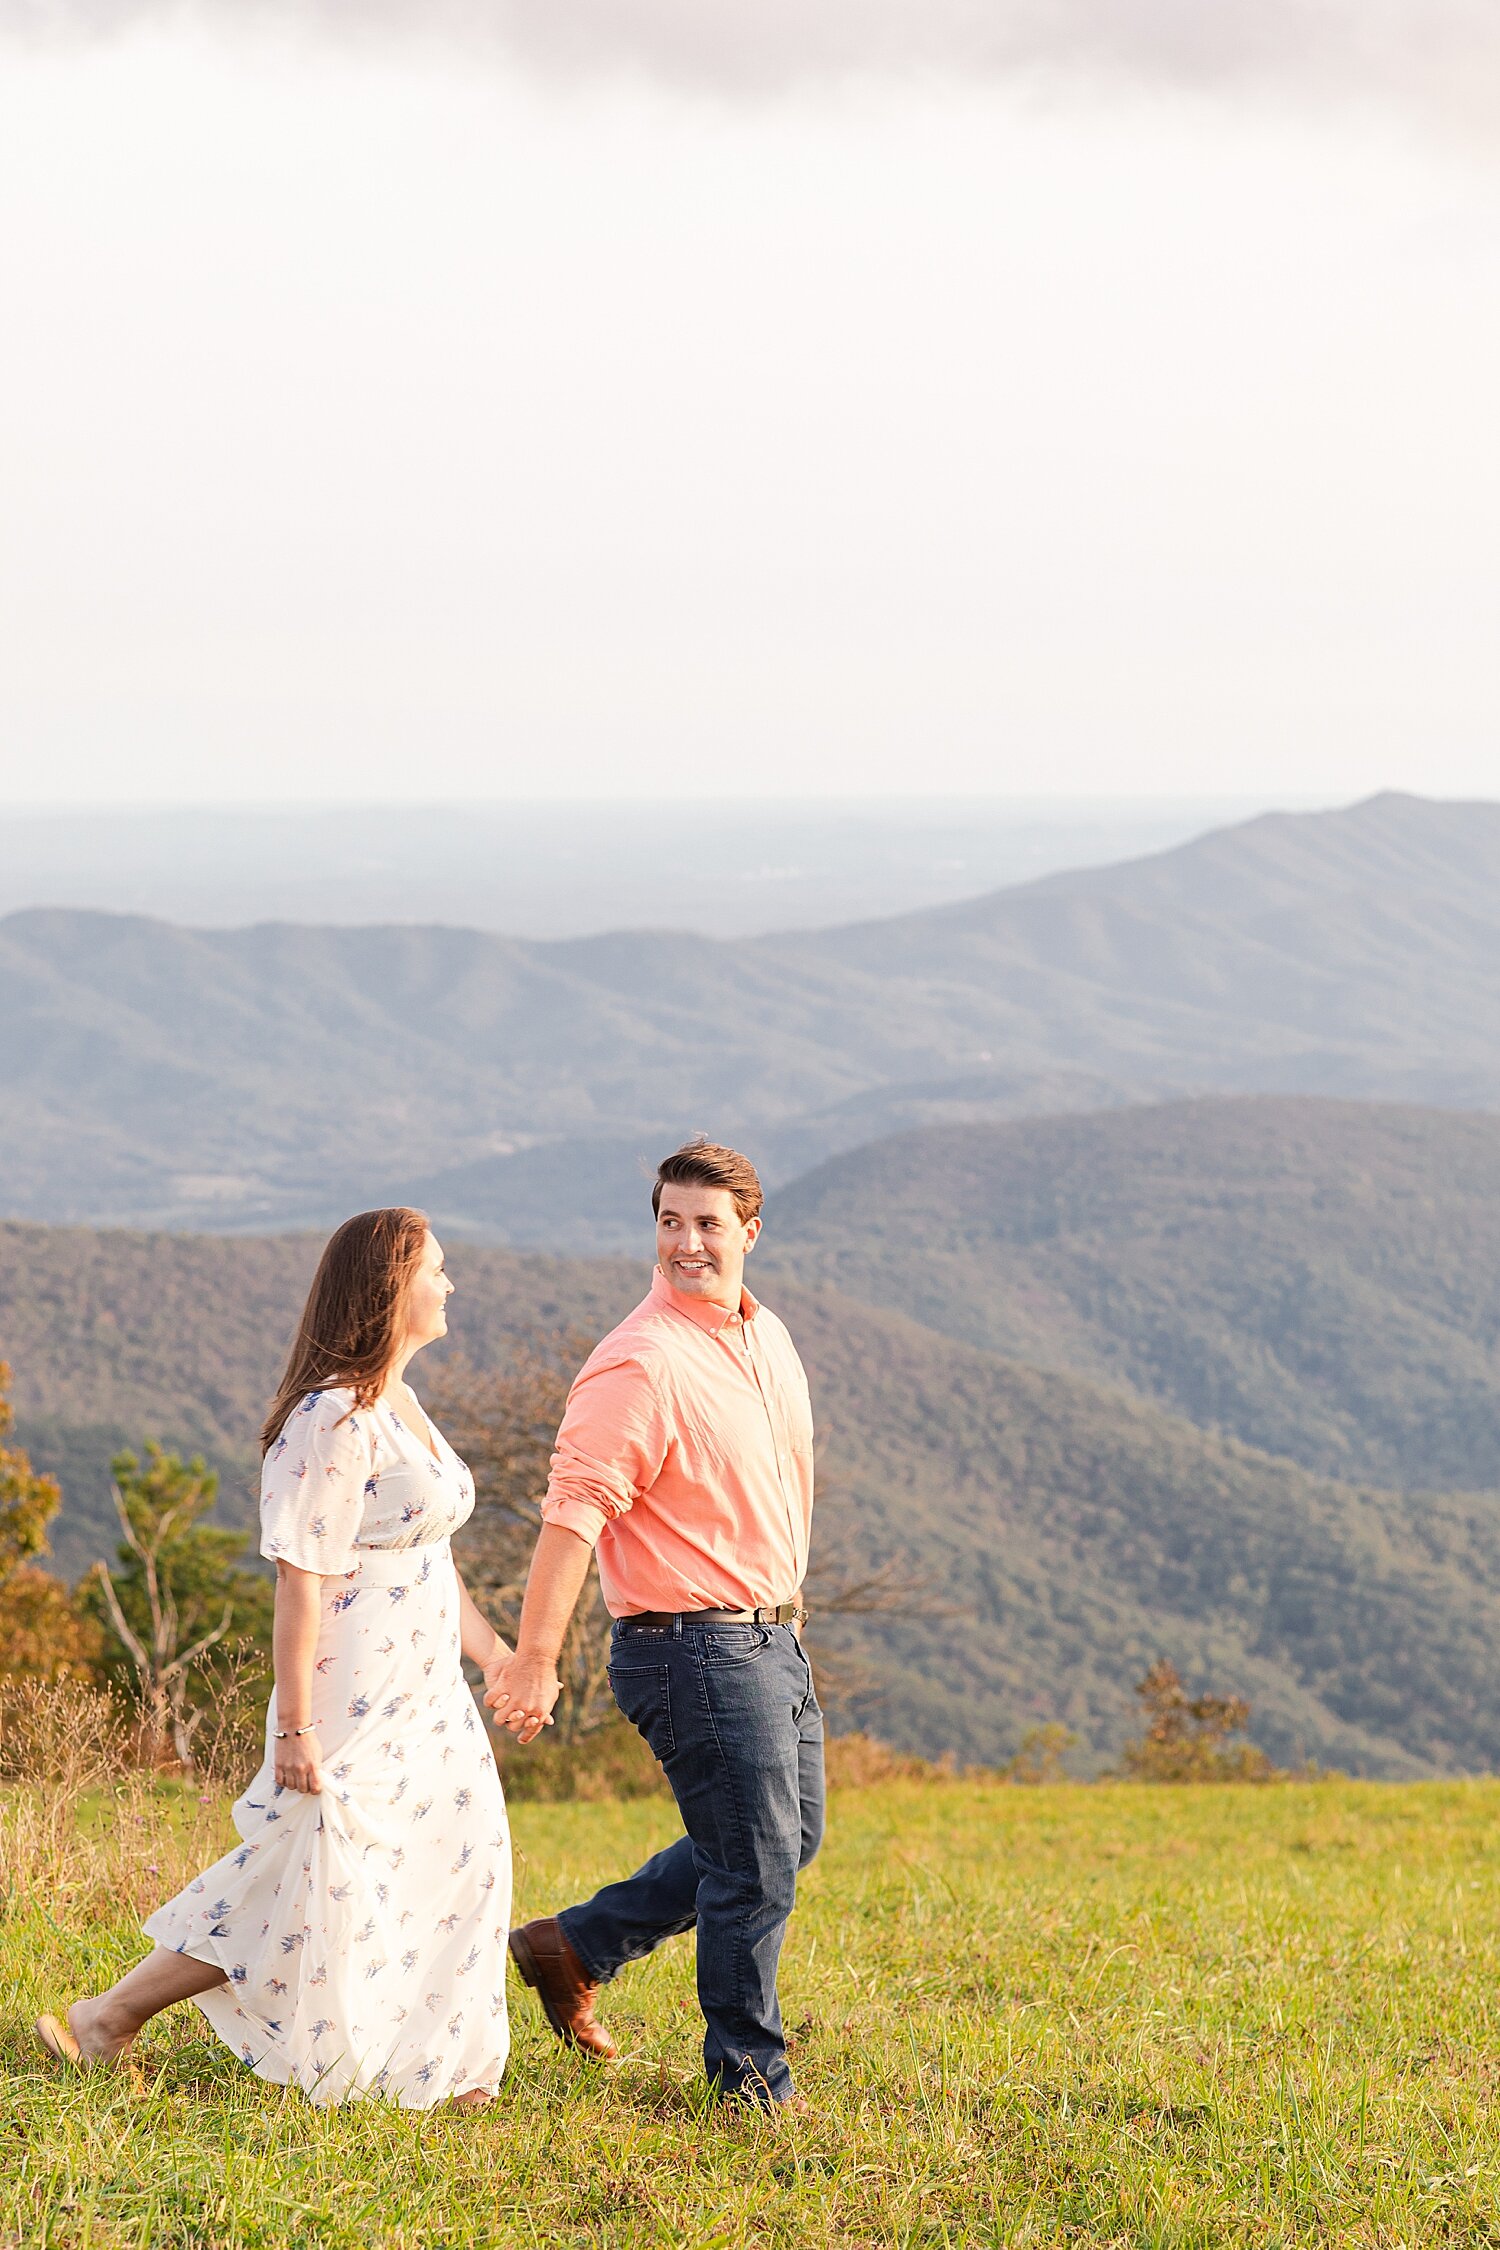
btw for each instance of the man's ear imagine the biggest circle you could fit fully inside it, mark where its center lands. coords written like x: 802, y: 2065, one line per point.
x: 753, y: 1233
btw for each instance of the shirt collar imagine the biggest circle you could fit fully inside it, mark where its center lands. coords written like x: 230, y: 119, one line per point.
x: 712, y: 1319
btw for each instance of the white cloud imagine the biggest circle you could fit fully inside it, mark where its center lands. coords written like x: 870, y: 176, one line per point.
x: 378, y: 423
x: 1442, y: 56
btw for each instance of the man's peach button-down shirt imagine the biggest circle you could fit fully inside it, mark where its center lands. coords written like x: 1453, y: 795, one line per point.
x: 686, y: 1456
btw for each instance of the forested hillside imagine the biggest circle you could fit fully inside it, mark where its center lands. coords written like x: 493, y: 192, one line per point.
x: 1319, y: 1278
x: 116, y: 1335
x: 1068, y: 1532
x: 1075, y: 1532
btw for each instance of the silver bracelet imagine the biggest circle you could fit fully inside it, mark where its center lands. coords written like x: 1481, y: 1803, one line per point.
x: 290, y: 1734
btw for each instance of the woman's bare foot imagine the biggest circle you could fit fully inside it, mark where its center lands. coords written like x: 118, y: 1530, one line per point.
x: 103, y: 2029
x: 475, y: 2098
x: 99, y: 2035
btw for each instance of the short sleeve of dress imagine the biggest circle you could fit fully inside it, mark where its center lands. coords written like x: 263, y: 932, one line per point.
x: 312, y: 1485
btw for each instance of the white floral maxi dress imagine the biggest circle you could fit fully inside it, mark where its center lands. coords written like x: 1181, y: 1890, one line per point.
x: 362, y: 1932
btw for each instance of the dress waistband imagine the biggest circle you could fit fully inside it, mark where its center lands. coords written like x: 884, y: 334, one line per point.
x: 395, y: 1566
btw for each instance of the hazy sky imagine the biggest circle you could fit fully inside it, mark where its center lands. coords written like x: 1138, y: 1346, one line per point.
x: 912, y: 396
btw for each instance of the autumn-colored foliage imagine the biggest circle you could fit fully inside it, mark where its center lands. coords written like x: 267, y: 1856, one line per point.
x: 1187, y: 1737
x: 42, y: 1634
x: 28, y: 1502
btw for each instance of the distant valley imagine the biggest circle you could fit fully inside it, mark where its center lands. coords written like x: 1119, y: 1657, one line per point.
x: 570, y: 867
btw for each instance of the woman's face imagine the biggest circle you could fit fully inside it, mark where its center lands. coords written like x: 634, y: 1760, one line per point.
x: 427, y: 1297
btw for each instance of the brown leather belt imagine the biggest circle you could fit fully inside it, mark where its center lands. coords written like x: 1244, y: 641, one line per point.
x: 773, y: 1613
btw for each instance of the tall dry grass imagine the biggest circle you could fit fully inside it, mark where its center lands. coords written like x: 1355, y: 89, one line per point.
x: 86, y: 1821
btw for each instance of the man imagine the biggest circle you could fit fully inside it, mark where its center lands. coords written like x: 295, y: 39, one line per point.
x: 685, y: 1454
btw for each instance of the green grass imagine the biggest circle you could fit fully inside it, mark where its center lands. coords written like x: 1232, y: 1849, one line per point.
x: 1095, y: 2016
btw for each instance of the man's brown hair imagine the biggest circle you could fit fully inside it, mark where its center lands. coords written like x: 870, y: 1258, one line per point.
x: 704, y: 1163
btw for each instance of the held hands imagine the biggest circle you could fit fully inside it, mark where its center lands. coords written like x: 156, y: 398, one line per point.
x: 299, y: 1762
x: 521, y: 1691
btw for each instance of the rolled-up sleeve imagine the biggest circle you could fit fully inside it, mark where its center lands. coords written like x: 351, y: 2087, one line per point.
x: 610, y: 1448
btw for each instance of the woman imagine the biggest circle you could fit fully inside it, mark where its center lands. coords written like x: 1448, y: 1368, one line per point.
x: 355, y: 1942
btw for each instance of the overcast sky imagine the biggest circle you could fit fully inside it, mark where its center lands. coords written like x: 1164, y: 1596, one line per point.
x: 626, y: 399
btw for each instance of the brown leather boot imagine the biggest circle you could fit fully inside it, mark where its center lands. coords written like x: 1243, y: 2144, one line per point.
x: 555, y: 1974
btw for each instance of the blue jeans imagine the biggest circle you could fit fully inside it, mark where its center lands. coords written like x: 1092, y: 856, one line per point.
x: 729, y: 1712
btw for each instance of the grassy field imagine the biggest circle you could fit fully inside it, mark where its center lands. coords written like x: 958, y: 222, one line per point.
x: 1079, y: 2015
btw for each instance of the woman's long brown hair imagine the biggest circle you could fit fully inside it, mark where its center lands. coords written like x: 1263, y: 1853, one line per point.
x: 351, y: 1327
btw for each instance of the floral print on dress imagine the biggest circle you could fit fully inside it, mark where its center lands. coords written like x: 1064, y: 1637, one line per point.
x: 317, y: 1918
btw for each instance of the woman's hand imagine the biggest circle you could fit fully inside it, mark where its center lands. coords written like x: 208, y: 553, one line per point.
x: 299, y: 1763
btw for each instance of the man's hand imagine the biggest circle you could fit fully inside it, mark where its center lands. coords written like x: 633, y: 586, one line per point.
x: 521, y: 1691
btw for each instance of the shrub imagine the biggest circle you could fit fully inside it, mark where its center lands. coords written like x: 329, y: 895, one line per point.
x: 42, y: 1635
x: 1187, y: 1737
x: 860, y: 1761
x: 28, y: 1502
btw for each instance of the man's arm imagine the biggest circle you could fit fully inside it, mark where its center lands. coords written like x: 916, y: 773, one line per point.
x: 610, y: 1447
x: 522, y: 1690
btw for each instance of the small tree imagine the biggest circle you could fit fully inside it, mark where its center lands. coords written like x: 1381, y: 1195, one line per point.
x: 1187, y: 1737
x: 42, y: 1634
x: 176, y: 1593
x: 1039, y: 1761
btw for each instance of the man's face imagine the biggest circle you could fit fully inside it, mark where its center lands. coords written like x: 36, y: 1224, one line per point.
x: 702, y: 1243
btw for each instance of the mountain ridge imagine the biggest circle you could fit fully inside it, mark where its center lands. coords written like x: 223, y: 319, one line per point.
x: 276, y: 1075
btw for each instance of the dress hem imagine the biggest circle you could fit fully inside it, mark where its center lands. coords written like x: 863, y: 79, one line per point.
x: 274, y: 2067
